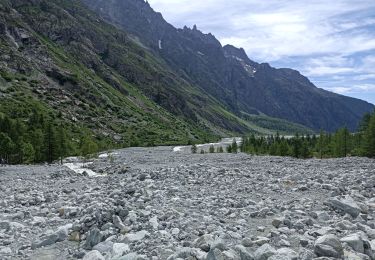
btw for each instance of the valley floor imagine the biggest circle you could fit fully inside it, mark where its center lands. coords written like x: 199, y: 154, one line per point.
x: 155, y: 203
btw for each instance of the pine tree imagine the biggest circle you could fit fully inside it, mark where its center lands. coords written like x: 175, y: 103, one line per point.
x: 6, y: 147
x: 297, y: 144
x: 369, y: 139
x: 88, y: 147
x: 194, y: 148
x: 305, y: 153
x: 363, y: 125
x: 37, y: 141
x: 321, y: 143
x: 283, y: 148
x: 341, y: 142
x: 212, y: 149
x: 28, y: 152
x: 234, y: 146
x: 62, y: 141
x: 50, y: 143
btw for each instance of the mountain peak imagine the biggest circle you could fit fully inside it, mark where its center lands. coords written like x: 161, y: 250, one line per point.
x: 234, y: 51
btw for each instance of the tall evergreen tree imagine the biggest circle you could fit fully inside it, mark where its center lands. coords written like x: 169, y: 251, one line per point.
x: 321, y: 144
x: 62, y: 142
x: 88, y: 146
x: 194, y: 148
x: 50, y: 143
x: 369, y: 139
x: 6, y: 147
x: 234, y: 146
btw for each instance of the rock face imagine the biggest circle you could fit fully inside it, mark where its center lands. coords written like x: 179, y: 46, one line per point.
x: 175, y: 205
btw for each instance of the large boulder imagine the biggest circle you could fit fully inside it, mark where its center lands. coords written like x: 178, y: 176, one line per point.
x: 131, y: 256
x: 329, y: 246
x: 93, y: 238
x: 120, y: 249
x: 204, y: 242
x: 264, y: 252
x: 285, y: 253
x: 355, y: 242
x: 104, y: 247
x: 188, y: 253
x: 215, y: 254
x: 93, y: 255
x: 53, y: 237
x: 244, y: 253
x: 135, y: 237
x: 345, y: 205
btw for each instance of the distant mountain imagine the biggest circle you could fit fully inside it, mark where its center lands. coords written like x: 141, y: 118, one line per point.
x: 241, y: 85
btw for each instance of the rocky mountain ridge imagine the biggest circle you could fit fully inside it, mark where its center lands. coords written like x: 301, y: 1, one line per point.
x: 243, y: 86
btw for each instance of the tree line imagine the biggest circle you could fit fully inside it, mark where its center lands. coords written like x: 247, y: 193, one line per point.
x: 342, y: 143
x: 40, y: 138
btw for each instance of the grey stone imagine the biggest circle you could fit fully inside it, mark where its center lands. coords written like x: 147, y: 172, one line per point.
x: 204, y: 242
x: 119, y: 249
x: 306, y: 254
x: 48, y: 254
x: 128, y: 238
x: 286, y: 253
x: 104, y: 247
x: 346, y: 205
x: 277, y: 222
x: 45, y: 241
x: 244, y: 253
x: 215, y: 254
x: 93, y: 255
x: 131, y: 256
x: 117, y: 222
x: 93, y: 238
x: 328, y: 245
x: 188, y: 253
x: 355, y: 242
x: 264, y: 252
x: 231, y: 255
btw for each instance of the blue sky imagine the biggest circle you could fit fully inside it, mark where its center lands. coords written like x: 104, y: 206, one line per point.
x: 331, y: 42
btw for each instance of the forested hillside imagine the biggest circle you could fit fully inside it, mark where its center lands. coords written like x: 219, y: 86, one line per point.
x: 342, y: 143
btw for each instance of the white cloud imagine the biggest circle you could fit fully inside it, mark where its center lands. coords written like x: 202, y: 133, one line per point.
x: 357, y: 67
x: 364, y: 77
x: 341, y: 90
x: 364, y: 88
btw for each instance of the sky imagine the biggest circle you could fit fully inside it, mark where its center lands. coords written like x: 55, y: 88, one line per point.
x: 332, y: 42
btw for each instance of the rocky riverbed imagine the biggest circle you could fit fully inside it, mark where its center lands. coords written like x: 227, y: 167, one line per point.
x: 155, y: 203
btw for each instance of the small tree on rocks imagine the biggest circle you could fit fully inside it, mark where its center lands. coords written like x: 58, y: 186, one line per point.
x: 194, y: 148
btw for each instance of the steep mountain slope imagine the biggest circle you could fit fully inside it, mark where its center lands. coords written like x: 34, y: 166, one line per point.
x: 54, y: 57
x: 241, y: 85
x: 59, y: 59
